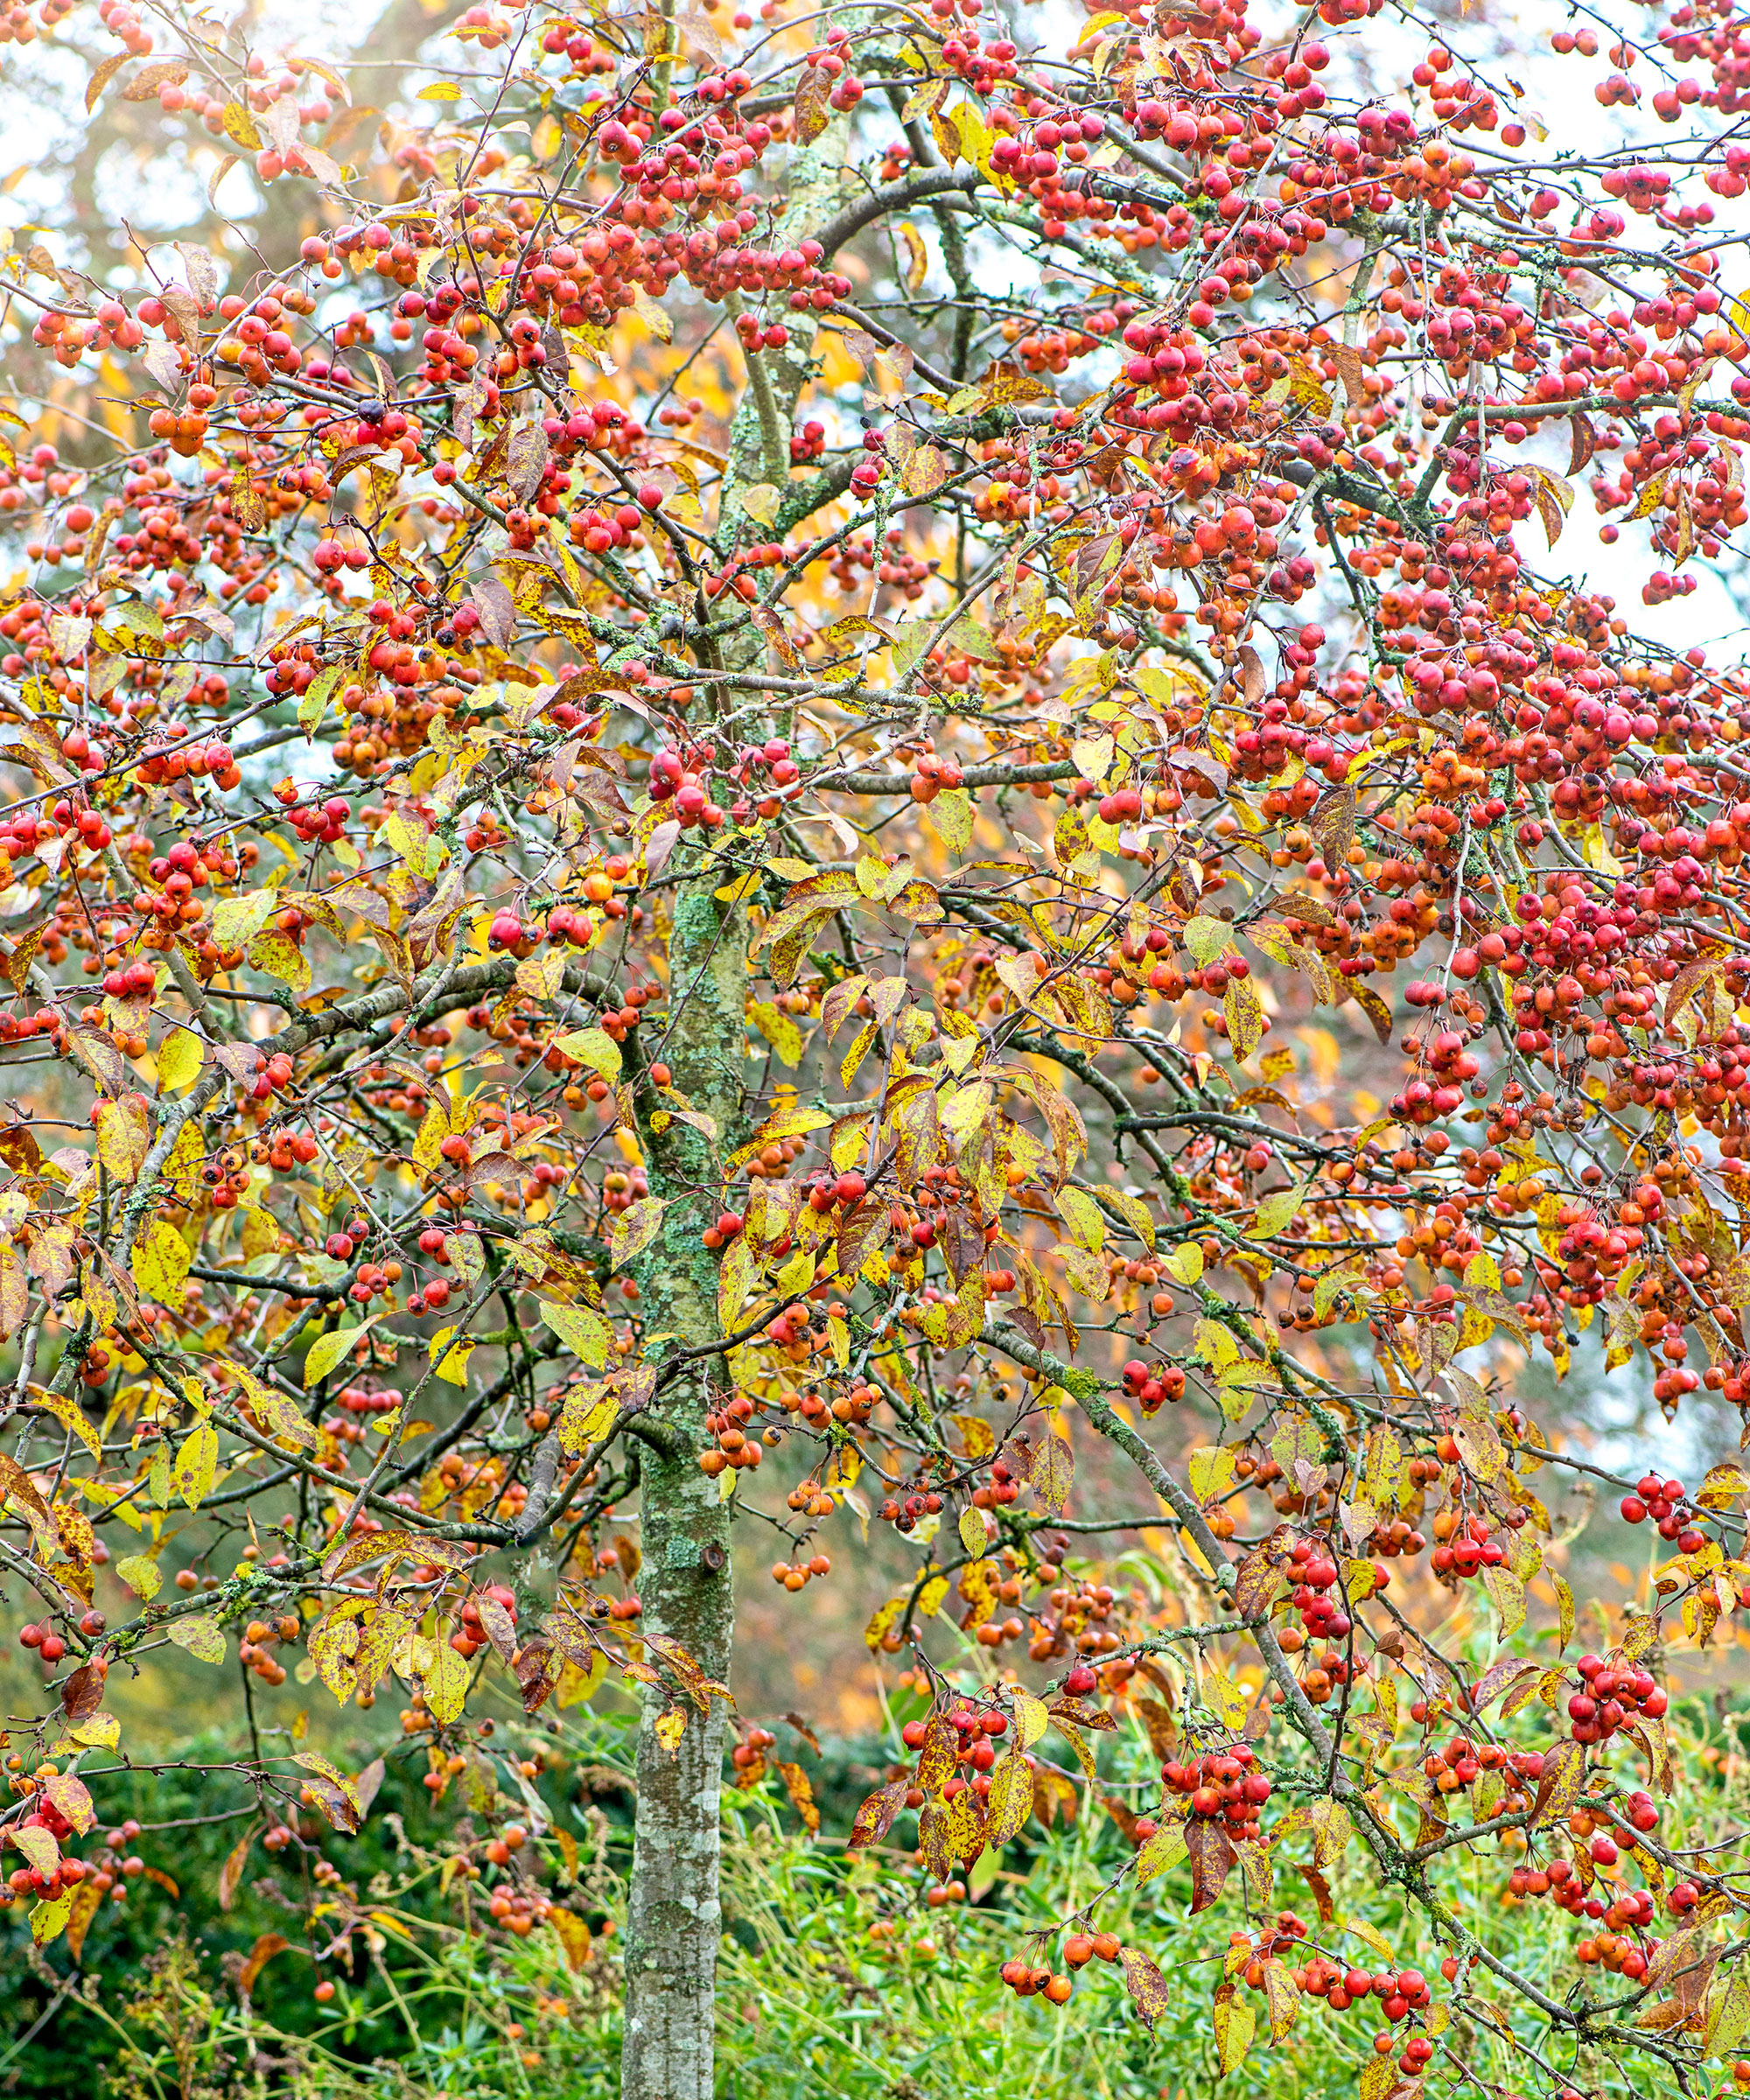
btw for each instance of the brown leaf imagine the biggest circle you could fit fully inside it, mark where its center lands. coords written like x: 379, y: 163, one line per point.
x: 1145, y: 1984
x: 104, y: 74
x: 497, y: 609
x: 812, y: 109
x: 232, y: 1871
x: 1321, y: 1891
x: 1351, y: 367
x: 537, y: 1674
x: 1163, y: 1730
x: 803, y: 1730
x: 82, y: 1694
x: 367, y: 1784
x: 1371, y: 1005
x: 875, y: 1818
x: 1554, y: 499
x: 801, y: 1794
x: 143, y: 88
x: 525, y: 460
x: 261, y: 1954
x: 1212, y: 1857
x: 1333, y: 823
x: 1123, y: 1815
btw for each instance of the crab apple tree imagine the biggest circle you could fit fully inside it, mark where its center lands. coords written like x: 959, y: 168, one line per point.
x: 886, y: 744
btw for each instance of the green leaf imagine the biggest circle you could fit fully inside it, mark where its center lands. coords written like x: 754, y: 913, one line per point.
x: 582, y: 1330
x: 1278, y: 1210
x: 142, y: 1576
x: 327, y: 1350
x: 199, y: 1636
x: 236, y: 921
x: 594, y: 1048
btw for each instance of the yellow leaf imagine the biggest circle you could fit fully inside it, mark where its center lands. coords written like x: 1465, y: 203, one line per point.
x: 238, y: 920
x: 160, y: 1262
x: 582, y: 1331
x: 276, y: 955
x: 449, y: 1359
x: 68, y: 1412
x: 179, y: 1060
x: 760, y: 502
x: 1184, y: 1263
x: 1235, y: 2024
x: 199, y: 1636
x: 1245, y: 1017
x: 196, y: 1462
x: 655, y: 318
x: 1278, y: 1210
x: 240, y: 127
x: 445, y: 1682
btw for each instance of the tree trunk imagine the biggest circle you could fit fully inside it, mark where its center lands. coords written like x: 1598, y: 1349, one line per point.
x: 685, y: 1581
x: 674, y: 1916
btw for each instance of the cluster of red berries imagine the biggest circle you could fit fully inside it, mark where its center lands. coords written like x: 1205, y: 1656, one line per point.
x: 43, y: 1639
x: 255, y: 1651
x: 672, y: 780
x: 999, y: 1490
x: 1662, y: 1503
x: 322, y: 823
x: 1457, y: 1765
x: 1322, y: 1616
x: 1261, y: 1947
x: 1468, y: 1552
x: 1153, y: 1384
x: 1611, y: 1698
x: 735, y: 1448
x: 827, y: 1193
x: 1222, y: 1783
x: 750, y: 1750
x: 1079, y: 1949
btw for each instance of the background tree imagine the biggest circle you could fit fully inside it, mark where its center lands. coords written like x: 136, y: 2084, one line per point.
x: 683, y: 703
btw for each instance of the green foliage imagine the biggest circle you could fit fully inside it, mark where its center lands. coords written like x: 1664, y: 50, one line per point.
x: 837, y: 1976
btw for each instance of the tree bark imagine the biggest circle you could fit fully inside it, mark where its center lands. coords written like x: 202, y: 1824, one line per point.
x: 674, y: 1916
x: 685, y: 1582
